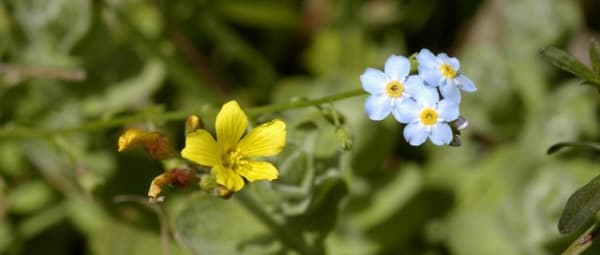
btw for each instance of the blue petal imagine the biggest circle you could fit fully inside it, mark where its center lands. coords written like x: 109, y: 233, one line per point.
x: 378, y: 107
x: 373, y: 81
x: 465, y: 83
x: 431, y: 77
x: 448, y: 110
x: 450, y: 91
x: 415, y: 134
x: 427, y: 60
x: 444, y: 58
x: 441, y: 134
x: 412, y: 84
x: 425, y: 96
x: 454, y: 63
x: 407, y: 111
x: 397, y: 67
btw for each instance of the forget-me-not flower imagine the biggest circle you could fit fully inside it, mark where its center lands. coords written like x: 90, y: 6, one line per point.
x: 390, y: 89
x: 427, y: 117
x: 443, y: 71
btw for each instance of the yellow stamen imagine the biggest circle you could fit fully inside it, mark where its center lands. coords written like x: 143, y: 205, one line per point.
x: 447, y: 71
x: 429, y: 116
x: 394, y: 88
x: 231, y: 159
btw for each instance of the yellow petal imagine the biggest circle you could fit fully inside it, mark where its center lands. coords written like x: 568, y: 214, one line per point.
x: 265, y: 140
x: 230, y: 125
x: 201, y: 148
x: 158, y: 183
x: 228, y: 178
x: 258, y: 170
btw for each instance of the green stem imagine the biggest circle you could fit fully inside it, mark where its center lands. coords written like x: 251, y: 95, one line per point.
x: 20, y: 132
x: 289, y: 239
x: 583, y: 241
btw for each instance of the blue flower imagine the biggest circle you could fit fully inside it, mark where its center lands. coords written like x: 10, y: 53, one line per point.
x: 443, y: 71
x: 427, y: 117
x: 390, y: 90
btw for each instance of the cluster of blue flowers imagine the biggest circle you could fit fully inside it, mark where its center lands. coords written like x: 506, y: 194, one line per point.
x: 427, y: 102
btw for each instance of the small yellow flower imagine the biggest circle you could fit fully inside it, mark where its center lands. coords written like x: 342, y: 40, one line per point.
x: 230, y: 156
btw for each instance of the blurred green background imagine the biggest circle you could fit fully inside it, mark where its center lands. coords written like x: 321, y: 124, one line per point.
x: 68, y: 62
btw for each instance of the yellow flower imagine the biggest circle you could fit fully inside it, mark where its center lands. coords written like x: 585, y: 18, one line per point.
x: 230, y: 156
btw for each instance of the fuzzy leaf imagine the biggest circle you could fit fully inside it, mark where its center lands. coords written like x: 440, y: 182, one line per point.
x: 561, y: 59
x: 581, y: 206
x: 590, y: 145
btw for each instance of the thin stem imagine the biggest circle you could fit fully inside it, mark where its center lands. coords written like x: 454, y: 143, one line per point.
x: 289, y: 239
x: 583, y: 242
x: 19, y: 132
x: 162, y: 218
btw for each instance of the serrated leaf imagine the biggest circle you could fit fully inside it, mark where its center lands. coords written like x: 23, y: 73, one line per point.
x: 595, y: 57
x: 581, y: 206
x: 588, y: 145
x: 563, y: 60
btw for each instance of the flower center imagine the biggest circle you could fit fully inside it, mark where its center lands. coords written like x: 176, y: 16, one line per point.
x: 429, y: 116
x: 231, y: 159
x: 394, y: 88
x: 447, y: 71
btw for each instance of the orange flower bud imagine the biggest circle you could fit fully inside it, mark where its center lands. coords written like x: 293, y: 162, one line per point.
x: 155, y: 143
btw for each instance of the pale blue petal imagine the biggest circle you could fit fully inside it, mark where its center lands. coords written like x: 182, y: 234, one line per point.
x: 397, y: 67
x: 426, y: 96
x: 407, y: 111
x: 443, y: 57
x: 450, y: 91
x: 465, y: 83
x: 374, y: 81
x: 454, y: 63
x: 431, y: 77
x: 427, y: 60
x: 378, y: 107
x: 412, y: 84
x: 415, y: 134
x: 448, y: 110
x: 441, y: 134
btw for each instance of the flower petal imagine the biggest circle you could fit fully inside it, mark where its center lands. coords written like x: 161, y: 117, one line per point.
x: 407, y: 111
x: 378, y: 107
x: 201, y: 148
x: 454, y: 63
x: 427, y: 60
x: 426, y: 96
x: 228, y: 178
x: 441, y: 134
x: 450, y: 91
x: 447, y: 110
x: 465, y: 83
x: 230, y: 125
x: 413, y: 84
x: 397, y: 67
x: 265, y: 140
x: 374, y: 81
x: 431, y: 77
x: 258, y: 170
x: 415, y: 134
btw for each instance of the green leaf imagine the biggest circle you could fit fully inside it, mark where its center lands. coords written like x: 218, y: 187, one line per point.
x: 566, y: 62
x: 589, y: 145
x: 260, y: 13
x: 209, y: 225
x: 595, y: 57
x: 581, y: 206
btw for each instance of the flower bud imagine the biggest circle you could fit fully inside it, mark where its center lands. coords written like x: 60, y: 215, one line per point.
x: 208, y: 182
x: 223, y: 192
x: 155, y: 143
x: 343, y: 138
x: 193, y: 123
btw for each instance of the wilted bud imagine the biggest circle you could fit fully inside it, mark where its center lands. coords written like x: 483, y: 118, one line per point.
x: 178, y: 177
x: 223, y: 192
x: 155, y: 143
x: 193, y: 123
x: 157, y: 184
x: 343, y: 138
